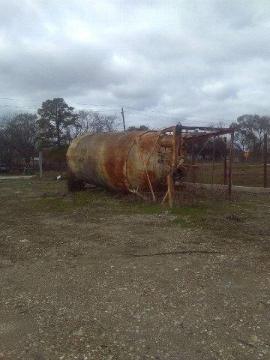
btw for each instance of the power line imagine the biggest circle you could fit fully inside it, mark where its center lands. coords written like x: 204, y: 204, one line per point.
x: 5, y: 98
x: 149, y: 114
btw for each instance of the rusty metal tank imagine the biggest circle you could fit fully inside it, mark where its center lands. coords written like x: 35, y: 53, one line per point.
x: 121, y: 161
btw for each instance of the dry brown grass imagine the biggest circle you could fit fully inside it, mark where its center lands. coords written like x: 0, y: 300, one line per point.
x: 245, y: 174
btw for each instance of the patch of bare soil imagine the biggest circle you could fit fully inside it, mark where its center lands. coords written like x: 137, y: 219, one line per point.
x: 97, y: 278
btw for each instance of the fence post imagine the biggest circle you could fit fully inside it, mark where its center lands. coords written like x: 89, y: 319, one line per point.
x: 40, y: 164
x: 193, y: 178
x: 230, y: 165
x: 265, y: 180
x: 213, y: 160
x: 225, y: 163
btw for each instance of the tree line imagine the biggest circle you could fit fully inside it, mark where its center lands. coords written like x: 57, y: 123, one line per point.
x: 248, y: 144
x: 56, y: 123
x: 53, y: 126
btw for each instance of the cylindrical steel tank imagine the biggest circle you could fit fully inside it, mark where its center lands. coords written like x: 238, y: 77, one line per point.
x: 121, y: 161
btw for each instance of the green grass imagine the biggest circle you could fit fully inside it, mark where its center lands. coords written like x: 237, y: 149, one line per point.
x: 48, y: 196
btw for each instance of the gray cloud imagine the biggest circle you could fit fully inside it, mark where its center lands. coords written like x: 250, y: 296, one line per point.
x: 164, y: 61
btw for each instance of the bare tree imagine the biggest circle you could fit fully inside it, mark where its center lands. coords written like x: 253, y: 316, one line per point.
x: 94, y: 122
x: 250, y: 132
x: 18, y: 139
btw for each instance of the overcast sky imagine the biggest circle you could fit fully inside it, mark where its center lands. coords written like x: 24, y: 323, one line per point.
x: 194, y: 61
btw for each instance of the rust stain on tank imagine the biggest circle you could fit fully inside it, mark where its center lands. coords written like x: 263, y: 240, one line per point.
x: 136, y: 160
x: 121, y: 161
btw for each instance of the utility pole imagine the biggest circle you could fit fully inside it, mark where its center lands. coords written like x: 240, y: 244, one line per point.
x: 123, y: 117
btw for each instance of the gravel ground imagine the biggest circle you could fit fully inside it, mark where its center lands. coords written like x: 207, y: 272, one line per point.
x: 96, y: 277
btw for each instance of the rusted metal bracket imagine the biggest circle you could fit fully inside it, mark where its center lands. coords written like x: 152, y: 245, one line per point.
x: 181, y: 134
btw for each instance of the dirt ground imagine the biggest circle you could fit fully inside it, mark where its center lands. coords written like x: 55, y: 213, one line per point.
x: 98, y: 276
